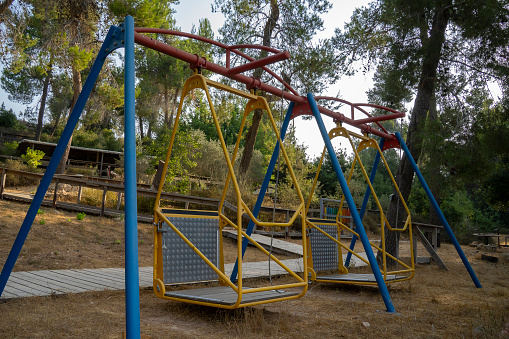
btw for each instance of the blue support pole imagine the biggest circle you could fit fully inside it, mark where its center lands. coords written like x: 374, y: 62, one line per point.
x: 438, y: 210
x: 366, y: 198
x: 132, y: 281
x: 351, y: 204
x: 111, y: 42
x: 263, y: 189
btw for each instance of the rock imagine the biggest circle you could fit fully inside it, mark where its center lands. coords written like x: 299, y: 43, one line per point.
x: 489, y: 258
x: 491, y: 248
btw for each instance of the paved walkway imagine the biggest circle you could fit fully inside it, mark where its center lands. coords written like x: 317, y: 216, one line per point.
x: 50, y: 282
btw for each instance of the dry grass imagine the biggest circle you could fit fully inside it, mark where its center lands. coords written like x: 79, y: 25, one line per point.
x: 435, y: 304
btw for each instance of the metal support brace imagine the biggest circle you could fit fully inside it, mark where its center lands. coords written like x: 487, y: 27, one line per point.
x: 132, y: 280
x: 351, y: 204
x: 57, y: 154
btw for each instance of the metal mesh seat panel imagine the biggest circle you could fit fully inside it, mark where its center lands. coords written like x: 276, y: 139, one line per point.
x: 180, y: 262
x: 323, y: 249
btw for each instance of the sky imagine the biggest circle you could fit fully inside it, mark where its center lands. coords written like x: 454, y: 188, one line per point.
x: 353, y: 89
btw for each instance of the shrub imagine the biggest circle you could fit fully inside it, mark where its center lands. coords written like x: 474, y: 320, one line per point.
x: 33, y: 158
x: 9, y: 148
x: 80, y: 216
x: 17, y: 180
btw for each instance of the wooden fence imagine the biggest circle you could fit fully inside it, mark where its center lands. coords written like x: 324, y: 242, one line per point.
x: 110, y: 185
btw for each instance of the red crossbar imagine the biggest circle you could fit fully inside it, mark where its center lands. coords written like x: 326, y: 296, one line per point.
x: 235, y: 74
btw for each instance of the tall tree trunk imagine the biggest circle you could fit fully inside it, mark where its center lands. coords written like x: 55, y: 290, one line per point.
x: 257, y: 115
x: 433, y: 178
x: 166, y: 105
x: 149, y: 129
x: 40, y: 119
x: 174, y: 106
x: 76, y: 80
x: 140, y: 121
x: 432, y: 47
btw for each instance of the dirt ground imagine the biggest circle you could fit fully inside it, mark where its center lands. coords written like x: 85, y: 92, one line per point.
x: 435, y: 304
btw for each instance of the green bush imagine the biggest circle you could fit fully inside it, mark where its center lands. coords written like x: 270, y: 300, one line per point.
x: 33, y: 158
x: 9, y: 148
x: 17, y: 180
x: 80, y: 216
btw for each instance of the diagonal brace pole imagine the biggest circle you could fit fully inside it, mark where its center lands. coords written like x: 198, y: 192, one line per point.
x: 351, y: 204
x: 438, y: 210
x: 108, y: 46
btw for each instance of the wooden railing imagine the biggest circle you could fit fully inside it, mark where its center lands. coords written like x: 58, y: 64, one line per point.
x: 110, y: 185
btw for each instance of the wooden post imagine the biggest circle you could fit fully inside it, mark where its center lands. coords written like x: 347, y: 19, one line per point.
x: 2, y: 183
x: 79, y: 194
x: 119, y: 200
x: 287, y: 229
x: 429, y: 248
x: 187, y: 205
x: 55, y: 193
x: 414, y: 245
x: 103, y: 204
x: 157, y: 176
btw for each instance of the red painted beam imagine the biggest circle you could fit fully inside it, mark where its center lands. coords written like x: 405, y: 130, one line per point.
x: 250, y: 82
x: 260, y: 62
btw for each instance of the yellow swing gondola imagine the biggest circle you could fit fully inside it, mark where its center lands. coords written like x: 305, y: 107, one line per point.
x: 188, y: 243
x: 325, y: 247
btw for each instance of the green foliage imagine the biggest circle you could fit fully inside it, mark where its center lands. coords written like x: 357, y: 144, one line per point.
x: 42, y: 221
x: 80, y: 216
x: 9, y: 148
x: 39, y: 211
x: 33, y: 158
x: 184, y: 154
x: 328, y: 181
x: 156, y: 13
x: 7, y: 117
x: 104, y: 139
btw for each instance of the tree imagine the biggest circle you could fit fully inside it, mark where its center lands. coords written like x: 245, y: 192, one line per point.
x: 274, y: 23
x: 432, y: 49
x: 29, y: 69
x: 4, y: 5
x: 7, y: 117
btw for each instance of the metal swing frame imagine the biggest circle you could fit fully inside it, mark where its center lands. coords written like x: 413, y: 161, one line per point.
x: 125, y: 36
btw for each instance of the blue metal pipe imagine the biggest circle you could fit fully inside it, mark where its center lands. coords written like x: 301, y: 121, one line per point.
x: 366, y: 198
x: 263, y: 189
x: 132, y: 281
x: 351, y: 204
x: 56, y: 157
x: 439, y: 211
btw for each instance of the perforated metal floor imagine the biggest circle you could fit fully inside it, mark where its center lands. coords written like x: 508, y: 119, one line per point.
x: 224, y: 295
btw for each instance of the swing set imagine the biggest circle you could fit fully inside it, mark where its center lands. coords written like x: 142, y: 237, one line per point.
x: 188, y: 244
